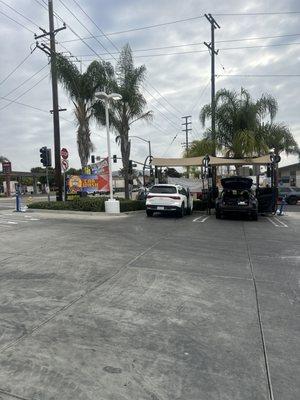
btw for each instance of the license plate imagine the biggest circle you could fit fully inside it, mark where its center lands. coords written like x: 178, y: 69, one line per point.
x: 160, y: 208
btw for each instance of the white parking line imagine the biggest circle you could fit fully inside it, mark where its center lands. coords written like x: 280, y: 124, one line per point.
x: 280, y: 225
x: 5, y: 222
x: 203, y: 220
x: 280, y: 222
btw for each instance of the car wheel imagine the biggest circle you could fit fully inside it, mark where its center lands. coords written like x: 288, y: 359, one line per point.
x: 149, y: 213
x: 180, y: 213
x: 292, y: 200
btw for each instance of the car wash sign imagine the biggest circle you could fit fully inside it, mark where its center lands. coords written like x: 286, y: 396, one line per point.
x: 97, y: 182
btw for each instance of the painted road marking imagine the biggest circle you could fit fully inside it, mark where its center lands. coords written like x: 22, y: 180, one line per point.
x: 202, y: 220
x: 279, y: 223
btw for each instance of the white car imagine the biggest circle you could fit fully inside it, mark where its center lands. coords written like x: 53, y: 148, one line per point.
x: 167, y: 198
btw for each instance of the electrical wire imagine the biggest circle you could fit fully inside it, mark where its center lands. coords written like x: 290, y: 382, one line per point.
x: 118, y: 52
x: 19, y: 13
x: 184, y: 20
x: 200, y: 44
x: 143, y: 28
x: 23, y: 94
x: 17, y: 22
x: 16, y: 68
x: 67, y: 8
x: 23, y: 104
x: 27, y: 80
x: 204, y: 51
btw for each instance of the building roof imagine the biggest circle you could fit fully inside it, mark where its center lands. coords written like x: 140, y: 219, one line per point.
x: 292, y: 166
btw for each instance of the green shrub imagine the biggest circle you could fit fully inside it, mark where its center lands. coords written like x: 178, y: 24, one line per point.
x: 95, y: 204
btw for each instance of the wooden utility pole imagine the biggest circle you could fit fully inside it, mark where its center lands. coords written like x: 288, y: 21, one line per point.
x: 51, y: 52
x: 211, y: 46
x: 187, y: 130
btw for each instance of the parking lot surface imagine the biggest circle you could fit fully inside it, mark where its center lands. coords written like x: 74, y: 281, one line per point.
x: 130, y: 307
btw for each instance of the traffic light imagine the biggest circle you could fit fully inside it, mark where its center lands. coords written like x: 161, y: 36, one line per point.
x: 114, y: 158
x: 131, y: 166
x: 45, y: 155
x: 93, y: 159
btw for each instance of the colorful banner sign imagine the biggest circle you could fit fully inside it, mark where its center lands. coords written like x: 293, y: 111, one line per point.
x: 96, y: 182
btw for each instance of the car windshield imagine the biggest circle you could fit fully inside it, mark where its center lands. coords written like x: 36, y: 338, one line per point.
x: 163, y: 189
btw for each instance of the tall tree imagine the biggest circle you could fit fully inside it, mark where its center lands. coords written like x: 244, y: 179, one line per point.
x: 81, y: 88
x: 238, y: 120
x: 127, y: 81
x: 279, y: 138
x: 3, y: 159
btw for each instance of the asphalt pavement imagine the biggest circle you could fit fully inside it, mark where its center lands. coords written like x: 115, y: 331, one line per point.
x: 130, y: 307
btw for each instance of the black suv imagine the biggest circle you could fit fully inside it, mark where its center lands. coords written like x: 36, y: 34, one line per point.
x: 237, y: 198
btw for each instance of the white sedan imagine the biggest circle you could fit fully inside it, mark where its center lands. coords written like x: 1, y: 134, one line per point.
x: 169, y: 198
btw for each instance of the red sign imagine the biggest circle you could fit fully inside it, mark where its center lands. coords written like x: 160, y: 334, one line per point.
x: 103, y: 183
x: 64, y: 153
x: 64, y: 164
x: 6, y: 167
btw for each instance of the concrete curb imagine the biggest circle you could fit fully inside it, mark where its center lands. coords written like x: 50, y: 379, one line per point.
x: 85, y: 213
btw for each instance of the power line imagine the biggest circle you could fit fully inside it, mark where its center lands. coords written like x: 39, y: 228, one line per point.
x: 142, y: 28
x: 24, y: 104
x: 16, y: 68
x: 80, y: 38
x: 201, y: 94
x: 84, y: 26
x: 221, y: 49
x: 26, y: 91
x: 200, y: 43
x: 113, y: 55
x: 17, y: 22
x: 118, y: 50
x: 42, y: 5
x: 17, y: 12
x: 27, y: 80
x: 184, y: 20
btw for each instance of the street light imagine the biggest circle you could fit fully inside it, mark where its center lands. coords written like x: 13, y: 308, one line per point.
x: 144, y: 140
x: 112, y: 205
x: 150, y: 154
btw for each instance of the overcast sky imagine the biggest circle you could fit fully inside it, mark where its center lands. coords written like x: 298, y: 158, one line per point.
x: 183, y: 80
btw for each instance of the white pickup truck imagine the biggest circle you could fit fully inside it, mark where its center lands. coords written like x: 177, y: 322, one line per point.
x: 169, y: 198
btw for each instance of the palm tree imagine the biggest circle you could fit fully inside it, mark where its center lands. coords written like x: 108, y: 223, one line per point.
x: 238, y: 120
x: 122, y: 114
x: 81, y: 88
x: 201, y: 147
x: 279, y: 138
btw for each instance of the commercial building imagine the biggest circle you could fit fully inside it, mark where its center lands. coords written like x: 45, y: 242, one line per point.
x: 289, y: 175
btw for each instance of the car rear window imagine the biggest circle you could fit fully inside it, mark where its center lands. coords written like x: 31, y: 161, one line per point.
x: 163, y: 189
